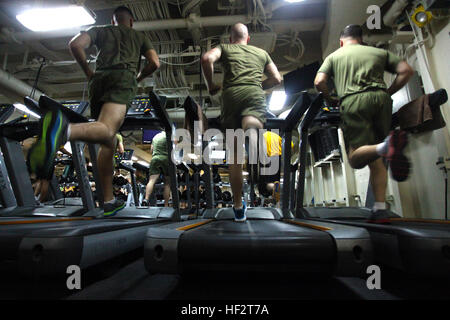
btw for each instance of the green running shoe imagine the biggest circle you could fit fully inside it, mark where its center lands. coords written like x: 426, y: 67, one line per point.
x: 112, y: 208
x: 52, y: 136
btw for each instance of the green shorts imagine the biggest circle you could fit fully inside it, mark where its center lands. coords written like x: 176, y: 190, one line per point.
x: 366, y: 118
x: 116, y: 85
x: 241, y: 101
x: 159, y: 165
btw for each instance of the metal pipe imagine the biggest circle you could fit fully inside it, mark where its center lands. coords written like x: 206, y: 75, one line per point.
x: 192, y: 21
x: 394, y: 11
x: 15, y: 88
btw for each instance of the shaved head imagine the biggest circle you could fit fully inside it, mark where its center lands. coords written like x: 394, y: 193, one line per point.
x: 123, y: 15
x: 239, y: 32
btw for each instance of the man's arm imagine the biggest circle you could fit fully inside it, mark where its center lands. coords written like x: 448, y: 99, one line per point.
x: 152, y: 65
x: 404, y: 73
x: 77, y: 46
x: 273, y: 76
x: 208, y: 60
x: 321, y: 84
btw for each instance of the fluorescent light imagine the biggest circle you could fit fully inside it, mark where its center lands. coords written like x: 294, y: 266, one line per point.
x: 293, y: 1
x: 24, y: 109
x: 48, y: 19
x: 277, y: 100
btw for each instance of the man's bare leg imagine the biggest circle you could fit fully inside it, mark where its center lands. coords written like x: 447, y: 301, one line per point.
x: 236, y: 179
x: 102, y: 131
x: 150, y: 185
x: 362, y: 156
x: 166, y: 191
x: 378, y: 180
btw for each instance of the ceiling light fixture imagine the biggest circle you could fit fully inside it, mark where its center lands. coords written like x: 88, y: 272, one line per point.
x: 421, y: 17
x: 49, y: 19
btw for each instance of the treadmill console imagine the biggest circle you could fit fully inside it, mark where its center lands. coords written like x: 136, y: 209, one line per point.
x: 76, y: 106
x: 126, y: 156
x: 6, y: 110
x: 143, y: 107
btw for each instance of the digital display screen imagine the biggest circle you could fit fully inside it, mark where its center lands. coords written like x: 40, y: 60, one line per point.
x: 148, y: 134
x: 301, y: 79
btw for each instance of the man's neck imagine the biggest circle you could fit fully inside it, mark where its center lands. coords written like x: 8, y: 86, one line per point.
x: 350, y: 42
x: 244, y: 42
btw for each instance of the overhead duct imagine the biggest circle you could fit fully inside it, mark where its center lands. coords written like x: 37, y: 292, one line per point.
x: 394, y: 12
x: 15, y: 88
x: 192, y: 21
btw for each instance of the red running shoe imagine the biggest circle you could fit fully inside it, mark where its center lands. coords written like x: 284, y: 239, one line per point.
x: 398, y: 162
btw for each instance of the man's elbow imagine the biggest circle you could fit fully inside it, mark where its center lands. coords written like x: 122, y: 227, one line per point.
x: 318, y: 83
x: 156, y: 63
x: 278, y: 79
x: 205, y: 60
x: 74, y: 45
x: 410, y: 71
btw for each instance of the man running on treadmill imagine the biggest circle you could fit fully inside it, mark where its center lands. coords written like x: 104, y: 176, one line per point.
x: 243, y: 97
x: 158, y: 165
x: 111, y: 89
x: 366, y: 109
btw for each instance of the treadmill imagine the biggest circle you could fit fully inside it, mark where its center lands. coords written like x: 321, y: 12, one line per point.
x: 271, y: 240
x: 11, y: 134
x: 415, y: 246
x: 47, y: 247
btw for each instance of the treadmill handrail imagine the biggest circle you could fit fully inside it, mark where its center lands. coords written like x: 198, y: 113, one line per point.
x: 47, y: 103
x: 300, y: 107
x: 33, y: 105
x: 312, y: 112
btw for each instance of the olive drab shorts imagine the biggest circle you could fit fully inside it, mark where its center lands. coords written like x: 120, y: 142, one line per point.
x: 158, y: 165
x: 366, y: 118
x: 116, y: 85
x: 241, y: 101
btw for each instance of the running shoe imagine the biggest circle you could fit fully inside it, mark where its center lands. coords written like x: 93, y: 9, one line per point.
x: 239, y: 214
x: 379, y: 216
x: 110, y: 209
x: 52, y: 136
x: 398, y: 162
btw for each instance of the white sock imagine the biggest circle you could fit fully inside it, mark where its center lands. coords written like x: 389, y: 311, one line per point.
x: 111, y: 201
x: 379, y: 206
x: 382, y: 148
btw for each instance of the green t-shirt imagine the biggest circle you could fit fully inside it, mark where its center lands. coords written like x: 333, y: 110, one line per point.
x: 243, y: 64
x: 357, y: 68
x: 118, y: 46
x: 159, y: 144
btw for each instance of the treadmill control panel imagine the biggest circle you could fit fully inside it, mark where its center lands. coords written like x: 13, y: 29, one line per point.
x: 141, y: 107
x: 126, y: 156
x: 76, y: 106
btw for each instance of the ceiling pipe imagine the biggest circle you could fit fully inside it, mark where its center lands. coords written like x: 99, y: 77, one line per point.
x: 193, y: 21
x: 14, y: 88
x: 394, y: 12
